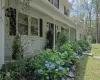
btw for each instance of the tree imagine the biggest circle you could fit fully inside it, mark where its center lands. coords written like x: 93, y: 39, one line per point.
x: 97, y: 10
x: 88, y: 6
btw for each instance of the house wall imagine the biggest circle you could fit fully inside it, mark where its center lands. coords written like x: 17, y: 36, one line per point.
x: 72, y: 34
x: 1, y: 33
x: 33, y: 44
x: 63, y: 3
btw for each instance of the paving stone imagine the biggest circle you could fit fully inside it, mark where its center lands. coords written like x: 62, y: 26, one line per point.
x: 97, y: 57
x: 73, y: 67
x: 71, y: 74
x: 89, y: 54
x: 68, y: 79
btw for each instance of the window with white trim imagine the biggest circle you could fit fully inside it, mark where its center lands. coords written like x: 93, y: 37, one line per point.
x: 23, y: 24
x: 34, y: 26
x: 55, y: 3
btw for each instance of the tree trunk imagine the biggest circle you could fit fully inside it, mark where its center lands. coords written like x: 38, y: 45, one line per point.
x: 97, y: 28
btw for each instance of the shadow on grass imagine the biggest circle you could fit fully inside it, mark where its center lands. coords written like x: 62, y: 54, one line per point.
x: 81, y: 68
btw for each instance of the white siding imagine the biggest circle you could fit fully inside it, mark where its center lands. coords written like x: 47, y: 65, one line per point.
x: 1, y: 34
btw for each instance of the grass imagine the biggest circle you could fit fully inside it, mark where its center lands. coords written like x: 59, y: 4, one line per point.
x: 96, y: 49
x: 88, y: 68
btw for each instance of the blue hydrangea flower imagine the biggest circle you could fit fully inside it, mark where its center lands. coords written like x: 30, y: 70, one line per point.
x: 75, y: 54
x: 52, y: 66
x: 67, y: 68
x: 65, y: 52
x: 47, y: 78
x: 79, y: 50
x: 40, y: 71
x: 46, y: 62
x: 77, y: 57
x: 47, y: 65
x: 60, y: 68
x: 58, y: 62
x: 62, y: 78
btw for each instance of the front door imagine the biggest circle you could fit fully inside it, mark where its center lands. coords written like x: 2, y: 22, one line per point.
x: 50, y: 36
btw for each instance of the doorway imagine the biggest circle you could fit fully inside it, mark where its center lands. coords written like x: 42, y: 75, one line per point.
x: 50, y: 35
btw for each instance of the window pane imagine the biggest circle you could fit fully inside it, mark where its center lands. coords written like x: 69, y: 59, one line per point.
x: 34, y: 26
x: 51, y: 1
x: 56, y: 3
x: 23, y: 29
x: 66, y: 11
x: 22, y: 18
x: 23, y: 24
x: 62, y: 29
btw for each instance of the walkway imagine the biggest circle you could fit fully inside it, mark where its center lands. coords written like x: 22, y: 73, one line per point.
x: 97, y: 57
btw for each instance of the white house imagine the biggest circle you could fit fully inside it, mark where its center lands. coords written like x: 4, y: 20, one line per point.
x: 32, y: 19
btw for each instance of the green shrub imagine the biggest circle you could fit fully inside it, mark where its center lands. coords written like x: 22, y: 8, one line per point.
x: 85, y: 45
x: 1, y: 76
x: 71, y: 56
x: 76, y: 47
x: 50, y: 65
x: 17, y: 51
x: 66, y: 47
x: 62, y: 38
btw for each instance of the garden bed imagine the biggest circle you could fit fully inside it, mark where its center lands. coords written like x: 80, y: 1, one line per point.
x: 57, y: 64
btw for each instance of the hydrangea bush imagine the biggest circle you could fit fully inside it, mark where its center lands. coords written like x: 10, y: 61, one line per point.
x: 48, y: 64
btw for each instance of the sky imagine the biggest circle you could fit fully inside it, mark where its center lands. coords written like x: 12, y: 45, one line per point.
x: 79, y: 7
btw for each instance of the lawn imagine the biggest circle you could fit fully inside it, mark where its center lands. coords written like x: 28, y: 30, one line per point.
x: 88, y: 68
x: 96, y: 49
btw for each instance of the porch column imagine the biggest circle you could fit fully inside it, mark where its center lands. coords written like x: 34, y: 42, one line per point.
x: 77, y: 34
x: 69, y: 34
x: 54, y: 37
x: 1, y: 32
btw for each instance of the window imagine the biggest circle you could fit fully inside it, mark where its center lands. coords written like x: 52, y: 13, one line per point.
x: 23, y: 24
x: 66, y: 11
x: 34, y: 26
x: 62, y: 29
x: 11, y: 13
x: 55, y: 3
x: 51, y: 1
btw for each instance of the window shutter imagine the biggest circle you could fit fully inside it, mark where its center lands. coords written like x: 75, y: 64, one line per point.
x: 11, y: 13
x: 41, y: 27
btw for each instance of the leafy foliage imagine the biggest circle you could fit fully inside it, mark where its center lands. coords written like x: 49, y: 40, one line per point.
x: 48, y: 64
x: 85, y: 45
x: 76, y: 47
x: 17, y: 51
x: 62, y: 38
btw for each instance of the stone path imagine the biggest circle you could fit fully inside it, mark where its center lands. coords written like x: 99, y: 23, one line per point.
x: 90, y: 54
x: 97, y: 57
